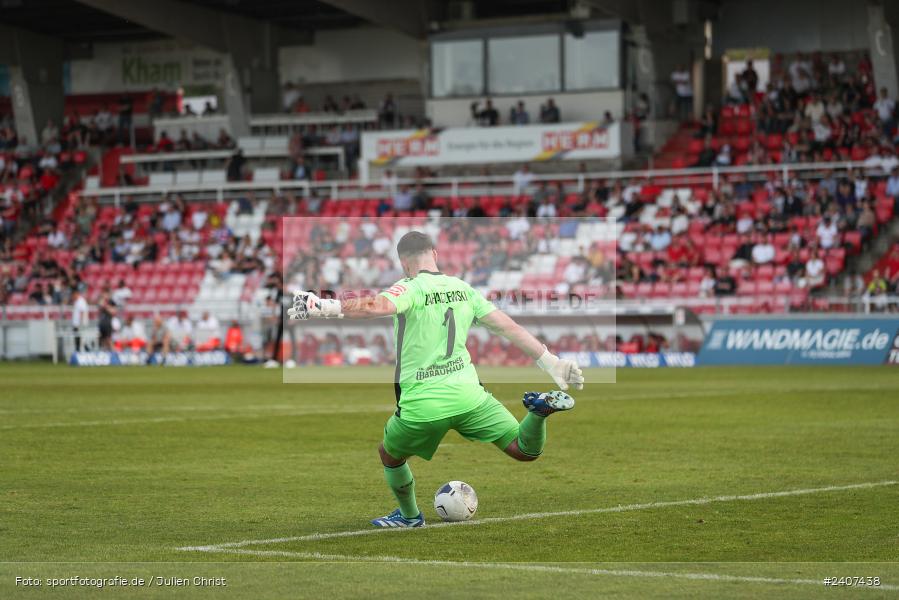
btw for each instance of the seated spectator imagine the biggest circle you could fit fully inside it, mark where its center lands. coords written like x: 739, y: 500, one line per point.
x: 763, y: 251
x: 208, y: 333
x: 132, y: 336
x: 234, y: 339
x: 165, y: 143
x: 387, y: 112
x: 724, y: 158
x: 57, y: 239
x: 660, y: 239
x: 814, y: 270
x: 224, y: 140
x: 707, y: 155
x: 178, y: 333
x: 725, y: 285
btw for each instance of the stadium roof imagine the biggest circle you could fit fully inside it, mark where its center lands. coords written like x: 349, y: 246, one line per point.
x: 76, y: 22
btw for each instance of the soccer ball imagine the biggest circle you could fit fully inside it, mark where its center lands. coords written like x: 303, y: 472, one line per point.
x: 455, y: 501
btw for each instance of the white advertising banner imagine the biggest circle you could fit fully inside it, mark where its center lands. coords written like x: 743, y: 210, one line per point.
x: 562, y: 141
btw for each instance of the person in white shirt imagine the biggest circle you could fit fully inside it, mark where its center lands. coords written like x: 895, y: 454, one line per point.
x: 815, y: 109
x: 57, y: 239
x: 208, y: 333
x: 178, y: 332
x: 814, y: 269
x: 132, y: 335
x: 836, y: 67
x: 80, y: 316
x: 683, y: 89
x: 122, y: 294
x: 763, y: 252
x: 885, y: 106
x: 389, y: 181
x: 827, y: 233
x: 522, y: 179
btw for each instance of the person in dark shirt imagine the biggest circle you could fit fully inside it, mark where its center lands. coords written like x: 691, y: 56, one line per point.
x: 126, y: 110
x: 236, y: 166
x: 725, y: 285
x: 549, y: 112
x: 707, y: 156
x: 489, y: 117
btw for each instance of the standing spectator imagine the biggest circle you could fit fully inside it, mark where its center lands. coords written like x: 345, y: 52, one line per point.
x: 79, y: 316
x: 402, y: 200
x: 489, y: 117
x: 885, y: 106
x: 763, y: 252
x: 235, y: 166
x: 104, y: 325
x: 122, y: 294
x: 522, y: 179
x: 208, y: 333
x: 549, y: 112
x: 126, y: 110
x: 827, y: 233
x: 750, y: 79
x: 814, y: 269
x: 518, y: 115
x: 683, y: 90
x: 387, y: 111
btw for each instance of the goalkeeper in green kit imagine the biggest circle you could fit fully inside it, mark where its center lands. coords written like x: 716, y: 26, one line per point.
x: 436, y: 385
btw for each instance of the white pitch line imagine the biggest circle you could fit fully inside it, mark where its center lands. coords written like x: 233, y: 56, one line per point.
x: 174, y: 419
x: 543, y: 515
x: 541, y: 568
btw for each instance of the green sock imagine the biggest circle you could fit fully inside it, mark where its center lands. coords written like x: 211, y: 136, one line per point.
x: 402, y: 483
x: 532, y: 434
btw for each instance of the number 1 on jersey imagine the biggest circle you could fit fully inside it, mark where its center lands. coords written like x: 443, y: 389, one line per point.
x: 449, y: 322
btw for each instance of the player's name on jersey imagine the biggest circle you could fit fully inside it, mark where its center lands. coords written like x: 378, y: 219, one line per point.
x: 452, y: 366
x: 446, y: 297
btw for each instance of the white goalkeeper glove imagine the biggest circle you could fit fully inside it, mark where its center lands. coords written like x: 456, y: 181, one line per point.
x: 307, y: 305
x: 562, y: 370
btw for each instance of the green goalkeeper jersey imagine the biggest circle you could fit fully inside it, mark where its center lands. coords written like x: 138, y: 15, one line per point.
x: 434, y: 376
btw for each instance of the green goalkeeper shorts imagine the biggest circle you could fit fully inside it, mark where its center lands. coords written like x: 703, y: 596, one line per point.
x: 489, y: 422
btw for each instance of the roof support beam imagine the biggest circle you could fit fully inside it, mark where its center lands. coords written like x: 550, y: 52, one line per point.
x: 35, y: 67
x: 407, y: 16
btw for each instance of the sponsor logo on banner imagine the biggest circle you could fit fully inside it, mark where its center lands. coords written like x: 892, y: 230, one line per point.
x: 469, y: 145
x: 643, y: 360
x: 173, y: 359
x: 893, y: 356
x: 799, y: 341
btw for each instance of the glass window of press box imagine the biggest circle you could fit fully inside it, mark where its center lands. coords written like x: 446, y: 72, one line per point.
x: 543, y: 59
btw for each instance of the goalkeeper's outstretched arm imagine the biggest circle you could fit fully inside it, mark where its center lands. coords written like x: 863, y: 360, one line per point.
x: 307, y: 305
x: 563, y: 371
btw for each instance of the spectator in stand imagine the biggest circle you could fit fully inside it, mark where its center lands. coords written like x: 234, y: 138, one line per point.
x: 224, y: 140
x: 814, y: 269
x: 836, y: 68
x: 402, y: 200
x: 165, y: 143
x: 547, y: 209
x: 660, y: 239
x: 488, y: 117
x: 300, y: 171
x: 867, y: 221
x: 683, y: 92
x: 522, y: 180
x: 707, y: 156
x: 289, y: 96
x: 750, y: 79
x: 763, y: 252
x: 723, y: 159
x: 885, y: 108
x: 725, y: 285
x: 126, y: 112
x: 877, y: 290
x: 208, y: 109
x: 708, y: 124
x: 827, y: 233
x: 57, y: 239
x: 549, y: 112
x: 208, y: 333
x: 235, y: 166
x: 708, y: 282
x: 387, y: 113
x: 122, y: 294
x: 234, y: 338
x: 518, y: 115
x: 421, y: 200
x: 178, y: 333
x: 607, y: 120
x: 132, y: 336
x: 389, y: 182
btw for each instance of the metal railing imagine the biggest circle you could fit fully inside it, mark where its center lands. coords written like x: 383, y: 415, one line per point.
x: 456, y: 186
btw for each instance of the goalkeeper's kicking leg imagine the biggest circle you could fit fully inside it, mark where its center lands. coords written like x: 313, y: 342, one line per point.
x: 528, y: 444
x: 402, y: 484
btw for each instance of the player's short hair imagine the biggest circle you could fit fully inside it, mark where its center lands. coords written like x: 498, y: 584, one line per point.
x: 414, y: 243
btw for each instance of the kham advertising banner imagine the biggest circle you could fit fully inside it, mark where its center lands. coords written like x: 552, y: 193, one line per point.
x: 800, y: 341
x: 472, y: 145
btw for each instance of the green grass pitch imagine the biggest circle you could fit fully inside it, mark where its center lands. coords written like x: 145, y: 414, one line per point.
x: 107, y: 472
